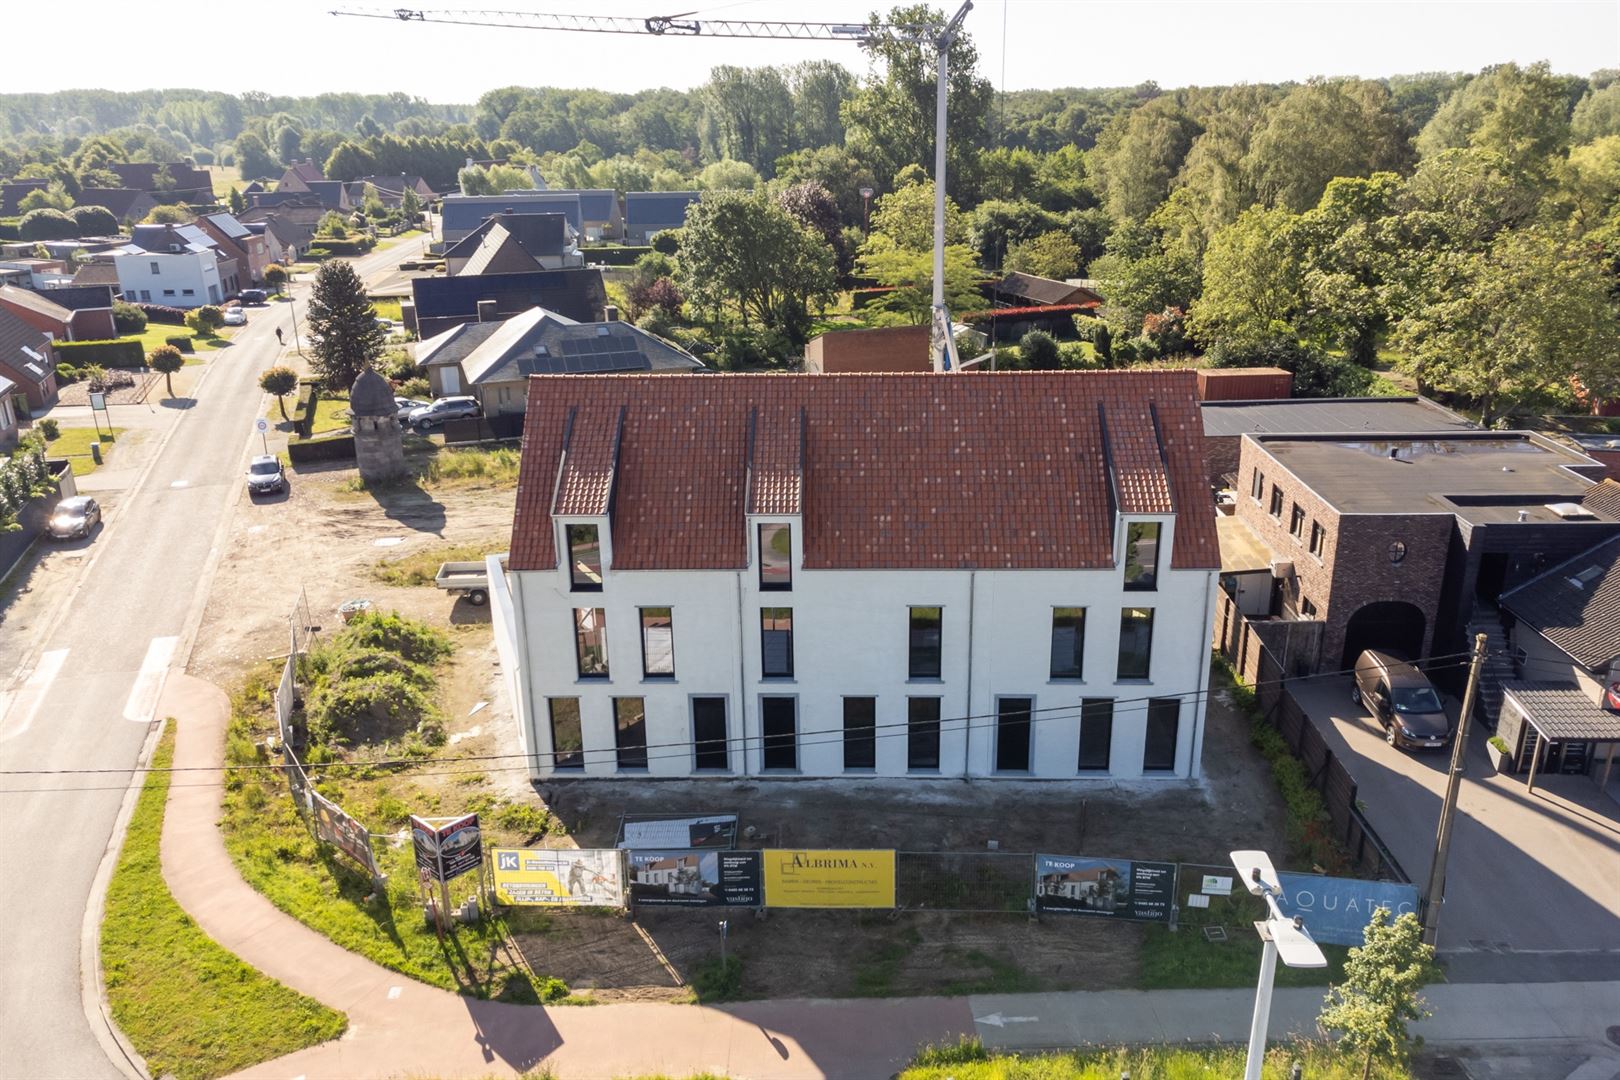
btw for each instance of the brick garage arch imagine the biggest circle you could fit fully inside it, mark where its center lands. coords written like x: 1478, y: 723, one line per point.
x: 1393, y: 626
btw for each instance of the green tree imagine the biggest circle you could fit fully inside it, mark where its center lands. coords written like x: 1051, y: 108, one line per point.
x: 1323, y: 129
x: 998, y: 224
x: 1137, y: 276
x: 905, y: 218
x: 205, y: 320
x: 1521, y: 113
x: 1589, y: 182
x: 95, y: 221
x: 47, y: 224
x: 741, y: 251
x: 279, y: 381
x: 128, y: 318
x: 835, y: 169
x: 1347, y: 249
x: 1139, y: 154
x: 253, y: 157
x: 728, y: 175
x: 1039, y: 351
x: 1382, y: 977
x: 1051, y: 255
x: 819, y: 89
x: 55, y: 196
x: 342, y: 325
x: 910, y: 274
x: 747, y: 115
x: 275, y: 276
x: 167, y: 360
x: 333, y: 225
x: 410, y: 207
x: 169, y: 214
x: 1596, y: 115
x: 236, y: 201
x: 1252, y: 281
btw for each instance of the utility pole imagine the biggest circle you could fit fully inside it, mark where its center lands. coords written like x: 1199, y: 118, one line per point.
x: 942, y: 347
x: 1435, y: 894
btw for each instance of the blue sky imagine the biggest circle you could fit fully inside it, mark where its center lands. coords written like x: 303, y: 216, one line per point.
x: 295, y: 46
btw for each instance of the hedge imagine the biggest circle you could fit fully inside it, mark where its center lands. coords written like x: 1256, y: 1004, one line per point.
x: 9, y: 230
x: 861, y: 298
x: 326, y: 448
x: 309, y: 393
x: 109, y: 354
x: 615, y: 256
x: 162, y: 313
x: 327, y: 246
x: 183, y: 342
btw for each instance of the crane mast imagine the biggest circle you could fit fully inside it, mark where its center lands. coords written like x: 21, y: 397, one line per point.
x: 942, y: 348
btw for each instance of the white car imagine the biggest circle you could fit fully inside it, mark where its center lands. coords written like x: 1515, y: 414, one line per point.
x: 235, y: 317
x: 404, y: 406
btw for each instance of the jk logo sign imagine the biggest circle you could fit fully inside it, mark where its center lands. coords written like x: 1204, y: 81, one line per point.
x: 508, y: 860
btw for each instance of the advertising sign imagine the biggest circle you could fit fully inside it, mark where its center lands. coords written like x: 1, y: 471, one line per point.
x: 584, y: 877
x: 333, y: 826
x: 828, y: 879
x: 1337, y: 910
x: 710, y: 831
x: 446, y: 848
x: 696, y: 878
x: 1118, y: 888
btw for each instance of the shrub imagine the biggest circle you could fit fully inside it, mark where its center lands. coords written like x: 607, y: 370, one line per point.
x: 94, y: 221
x: 161, y: 313
x: 340, y: 710
x: 398, y: 367
x: 50, y: 429
x: 8, y: 229
x: 668, y: 242
x: 418, y: 388
x: 206, y: 319
x: 119, y: 354
x: 1039, y: 351
x: 415, y: 641
x: 719, y: 980
x: 615, y: 256
x: 1496, y: 741
x: 181, y: 342
x: 525, y: 819
x: 128, y: 319
x: 339, y: 447
x: 47, y: 224
x: 67, y: 374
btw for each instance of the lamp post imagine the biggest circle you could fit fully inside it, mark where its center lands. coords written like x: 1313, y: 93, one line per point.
x: 1283, y: 937
x: 866, y: 209
x: 292, y: 309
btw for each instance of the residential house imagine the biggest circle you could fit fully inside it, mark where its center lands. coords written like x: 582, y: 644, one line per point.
x: 12, y: 193
x: 35, y: 273
x: 253, y: 186
x: 391, y: 189
x: 648, y: 213
x: 9, y: 435
x: 1019, y: 289
x: 91, y: 305
x: 438, y: 303
x: 45, y: 313
x: 101, y: 272
x: 176, y: 265
x: 28, y: 360
x: 235, y: 239
x: 513, y: 244
x: 333, y: 195
x: 299, y: 175
x: 273, y: 200
x: 824, y: 575
x: 493, y: 360
x: 601, y: 213
x: 128, y: 205
x: 461, y: 215
x: 288, y: 230
x: 181, y: 182
x: 888, y: 348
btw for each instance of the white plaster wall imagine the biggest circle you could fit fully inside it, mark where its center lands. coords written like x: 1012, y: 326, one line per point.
x: 196, y: 271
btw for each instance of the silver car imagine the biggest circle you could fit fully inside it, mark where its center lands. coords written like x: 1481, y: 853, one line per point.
x: 74, y: 516
x: 264, y: 475
x: 442, y: 410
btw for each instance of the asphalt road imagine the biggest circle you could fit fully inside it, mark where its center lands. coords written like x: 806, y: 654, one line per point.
x: 86, y: 683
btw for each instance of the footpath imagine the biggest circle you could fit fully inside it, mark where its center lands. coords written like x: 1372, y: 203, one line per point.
x: 399, y: 1027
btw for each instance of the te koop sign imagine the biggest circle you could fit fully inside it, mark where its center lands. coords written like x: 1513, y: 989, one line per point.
x: 1337, y: 910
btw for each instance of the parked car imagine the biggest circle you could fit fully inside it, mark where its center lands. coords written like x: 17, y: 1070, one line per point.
x: 443, y: 409
x: 74, y: 516
x: 404, y: 406
x: 264, y: 475
x: 1402, y: 699
x: 235, y: 317
x: 253, y: 296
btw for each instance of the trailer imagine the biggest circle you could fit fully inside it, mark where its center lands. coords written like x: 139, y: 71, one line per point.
x: 469, y: 579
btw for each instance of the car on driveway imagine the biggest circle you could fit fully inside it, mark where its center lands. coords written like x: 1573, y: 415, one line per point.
x: 404, y: 406
x: 443, y: 409
x: 74, y: 516
x: 235, y: 316
x: 1402, y: 699
x: 264, y: 475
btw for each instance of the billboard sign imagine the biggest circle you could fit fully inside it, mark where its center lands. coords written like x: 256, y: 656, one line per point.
x: 1118, y: 888
x: 446, y: 848
x: 709, y: 831
x: 676, y: 878
x: 828, y: 878
x: 333, y: 826
x: 1337, y: 910
x: 584, y: 877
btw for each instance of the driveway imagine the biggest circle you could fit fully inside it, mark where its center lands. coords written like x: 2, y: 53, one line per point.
x: 1529, y: 872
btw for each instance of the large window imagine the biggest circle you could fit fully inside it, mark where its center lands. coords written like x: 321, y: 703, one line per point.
x: 775, y: 557
x: 776, y: 642
x: 1135, y: 642
x: 1163, y: 720
x: 1276, y: 502
x: 860, y: 733
x: 1318, y: 539
x: 779, y: 725
x: 590, y: 642
x: 657, y: 643
x: 1258, y: 487
x: 709, y: 734
x: 630, y: 731
x: 1142, y: 555
x: 584, y: 559
x: 1096, y: 734
x: 1012, y: 733
x: 922, y: 733
x: 925, y: 644
x: 1296, y: 522
x: 567, y: 743
x: 1068, y: 642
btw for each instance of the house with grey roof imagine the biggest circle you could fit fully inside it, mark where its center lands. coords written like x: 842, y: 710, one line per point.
x: 602, y: 215
x: 461, y: 215
x: 391, y: 189
x: 438, y: 303
x: 493, y: 360
x: 181, y: 181
x: 1566, y: 621
x: 648, y: 213
x: 27, y: 360
x: 12, y: 194
x: 128, y: 205
x: 175, y: 265
x: 515, y: 243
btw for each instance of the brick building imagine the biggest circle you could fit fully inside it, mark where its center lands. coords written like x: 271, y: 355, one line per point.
x: 886, y: 349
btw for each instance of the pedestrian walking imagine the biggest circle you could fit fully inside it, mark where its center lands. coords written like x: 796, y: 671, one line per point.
x: 279, y: 341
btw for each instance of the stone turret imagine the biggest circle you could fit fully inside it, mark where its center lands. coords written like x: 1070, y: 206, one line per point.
x: 379, y: 444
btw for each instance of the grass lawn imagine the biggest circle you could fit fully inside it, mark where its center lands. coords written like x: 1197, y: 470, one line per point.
x: 444, y: 470
x: 74, y: 444
x: 386, y: 307
x: 155, y: 333
x: 421, y: 568
x: 968, y: 1060
x: 190, y: 1008
x: 1187, y: 959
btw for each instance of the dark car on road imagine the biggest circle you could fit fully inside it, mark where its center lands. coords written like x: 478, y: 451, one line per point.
x: 443, y: 409
x: 253, y: 296
x: 264, y: 475
x: 74, y: 516
x: 1402, y: 699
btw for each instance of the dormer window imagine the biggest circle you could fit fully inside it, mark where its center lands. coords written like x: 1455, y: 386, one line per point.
x: 584, y: 559
x: 775, y: 558
x: 1142, y: 555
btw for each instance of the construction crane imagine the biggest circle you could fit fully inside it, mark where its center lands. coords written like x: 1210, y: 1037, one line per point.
x: 942, y: 347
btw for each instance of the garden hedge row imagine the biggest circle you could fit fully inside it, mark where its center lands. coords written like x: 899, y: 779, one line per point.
x: 109, y: 354
x: 614, y: 256
x: 328, y: 246
x: 162, y: 313
x: 9, y: 230
x: 338, y: 447
x: 309, y: 394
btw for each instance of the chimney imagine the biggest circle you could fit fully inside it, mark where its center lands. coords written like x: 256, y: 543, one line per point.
x: 486, y: 311
x: 610, y: 313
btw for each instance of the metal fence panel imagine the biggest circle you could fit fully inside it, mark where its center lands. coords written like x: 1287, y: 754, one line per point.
x: 964, y: 881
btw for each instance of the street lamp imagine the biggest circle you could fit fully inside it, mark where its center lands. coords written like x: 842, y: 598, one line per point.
x: 866, y: 209
x: 1283, y: 937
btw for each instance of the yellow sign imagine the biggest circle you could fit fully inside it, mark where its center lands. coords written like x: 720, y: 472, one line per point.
x: 829, y: 879
x: 570, y: 876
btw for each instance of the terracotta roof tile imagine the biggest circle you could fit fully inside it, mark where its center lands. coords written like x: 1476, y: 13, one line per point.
x: 901, y: 471
x: 775, y: 470
x: 585, y: 482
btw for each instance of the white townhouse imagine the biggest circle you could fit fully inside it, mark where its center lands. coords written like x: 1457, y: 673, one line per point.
x: 986, y: 575
x: 174, y: 265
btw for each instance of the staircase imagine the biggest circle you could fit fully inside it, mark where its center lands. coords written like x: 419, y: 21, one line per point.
x: 1498, y: 667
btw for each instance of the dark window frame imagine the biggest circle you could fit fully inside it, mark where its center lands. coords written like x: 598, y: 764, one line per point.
x: 1296, y: 522
x: 764, y: 651
x: 787, y: 567
x: 779, y: 743
x: 1257, y: 487
x: 920, y: 732
x: 1079, y: 658
x: 600, y: 616
x: 914, y: 670
x: 1158, y: 711
x: 1007, y: 723
x: 1149, y: 580
x: 1096, y: 714
x: 631, y: 754
x: 860, y: 750
x: 1277, y: 501
x: 576, y: 581
x: 646, y: 670
x: 705, y: 747
x: 571, y: 760
x: 1120, y: 674
x: 1318, y: 542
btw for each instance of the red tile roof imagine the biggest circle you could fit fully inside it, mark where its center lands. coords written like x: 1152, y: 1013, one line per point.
x: 585, y: 481
x: 905, y: 471
x: 775, y: 467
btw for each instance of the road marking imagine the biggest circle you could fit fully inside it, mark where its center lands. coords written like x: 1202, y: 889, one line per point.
x: 997, y: 1020
x: 143, y: 696
x: 388, y: 541
x: 24, y: 702
x: 180, y: 484
x: 394, y: 992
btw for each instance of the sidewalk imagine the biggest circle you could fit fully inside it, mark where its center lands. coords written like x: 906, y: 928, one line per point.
x: 399, y: 1027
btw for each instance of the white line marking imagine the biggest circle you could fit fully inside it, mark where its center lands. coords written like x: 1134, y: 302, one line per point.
x: 143, y: 696
x: 394, y: 992
x: 180, y: 484
x: 388, y: 541
x: 997, y: 1020
x: 24, y: 702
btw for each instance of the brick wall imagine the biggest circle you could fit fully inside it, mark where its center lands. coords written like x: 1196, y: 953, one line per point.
x: 889, y: 349
x: 1221, y: 456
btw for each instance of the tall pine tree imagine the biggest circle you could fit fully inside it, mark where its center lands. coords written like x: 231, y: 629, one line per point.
x: 343, y: 324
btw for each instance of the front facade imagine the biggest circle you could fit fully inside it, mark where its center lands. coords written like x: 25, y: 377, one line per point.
x: 859, y: 575
x: 648, y: 213
x: 461, y: 215
x: 248, y: 248
x: 174, y: 265
x: 28, y: 361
